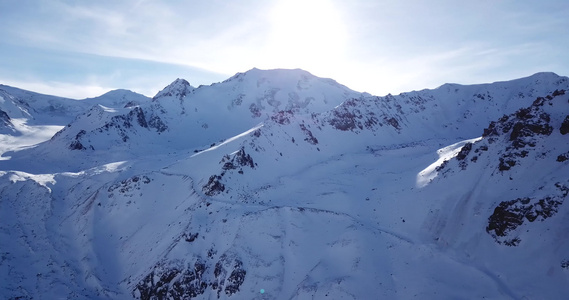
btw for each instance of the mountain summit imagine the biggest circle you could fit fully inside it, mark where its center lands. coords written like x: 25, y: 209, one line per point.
x: 276, y: 184
x: 178, y: 89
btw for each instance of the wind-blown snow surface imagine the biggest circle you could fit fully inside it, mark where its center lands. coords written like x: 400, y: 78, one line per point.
x: 297, y: 188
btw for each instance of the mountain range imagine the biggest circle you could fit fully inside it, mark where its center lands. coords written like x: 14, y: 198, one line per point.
x: 277, y: 184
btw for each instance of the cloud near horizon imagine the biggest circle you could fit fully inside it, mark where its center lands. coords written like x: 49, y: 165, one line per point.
x: 375, y: 46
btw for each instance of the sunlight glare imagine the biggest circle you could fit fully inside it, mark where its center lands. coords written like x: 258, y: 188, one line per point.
x: 308, y: 34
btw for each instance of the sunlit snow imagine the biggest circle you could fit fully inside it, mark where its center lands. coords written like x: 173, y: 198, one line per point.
x: 445, y: 153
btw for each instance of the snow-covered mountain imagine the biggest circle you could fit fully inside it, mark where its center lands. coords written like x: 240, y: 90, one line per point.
x: 281, y: 185
x: 38, y: 109
x: 182, y: 117
x: 28, y: 118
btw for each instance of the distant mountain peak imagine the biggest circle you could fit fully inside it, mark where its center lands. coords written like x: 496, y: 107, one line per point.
x: 179, y: 89
x: 545, y: 75
x: 119, y: 93
x: 271, y: 73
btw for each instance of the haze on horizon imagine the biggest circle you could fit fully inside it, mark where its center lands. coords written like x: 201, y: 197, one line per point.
x: 83, y: 49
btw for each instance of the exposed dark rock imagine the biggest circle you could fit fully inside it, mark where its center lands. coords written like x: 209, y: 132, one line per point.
x: 464, y: 151
x: 309, y: 137
x: 558, y: 93
x: 521, y: 129
x: 151, y: 289
x: 174, y: 282
x: 393, y: 122
x: 359, y: 114
x: 563, y: 189
x: 565, y: 126
x: 509, y: 215
x: 156, y: 123
x: 481, y: 148
x: 177, y: 280
x: 128, y: 186
x: 243, y: 159
x: 224, y: 283
x: 138, y: 114
x: 76, y: 144
x: 213, y: 186
x: 211, y: 252
x: 343, y: 120
x: 441, y: 166
x: 255, y: 110
x: 4, y: 118
x: 180, y: 88
x: 236, y: 279
x: 5, y: 122
x: 563, y: 157
x: 524, y: 127
x: 506, y: 163
x: 239, y: 159
x: 257, y: 133
x: 191, y: 237
x: 130, y: 104
x: 371, y: 121
x: 282, y: 117
x: 123, y: 124
x: 490, y: 131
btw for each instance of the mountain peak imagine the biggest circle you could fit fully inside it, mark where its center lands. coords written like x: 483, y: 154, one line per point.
x: 179, y: 89
x: 271, y: 73
x: 545, y: 75
x: 540, y: 77
x: 119, y: 93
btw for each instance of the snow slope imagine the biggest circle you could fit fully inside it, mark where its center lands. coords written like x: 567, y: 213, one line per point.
x: 28, y: 118
x: 182, y: 117
x: 298, y: 188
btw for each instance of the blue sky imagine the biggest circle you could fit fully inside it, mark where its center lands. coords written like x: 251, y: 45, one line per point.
x: 82, y: 49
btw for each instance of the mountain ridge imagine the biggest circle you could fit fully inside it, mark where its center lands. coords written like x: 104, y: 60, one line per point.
x: 371, y: 197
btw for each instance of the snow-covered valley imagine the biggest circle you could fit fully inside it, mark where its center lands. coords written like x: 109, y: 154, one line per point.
x: 280, y: 185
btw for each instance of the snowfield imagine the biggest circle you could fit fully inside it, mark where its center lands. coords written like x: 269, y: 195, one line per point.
x: 276, y: 184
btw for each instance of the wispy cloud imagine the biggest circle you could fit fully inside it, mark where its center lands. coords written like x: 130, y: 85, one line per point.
x: 377, y: 46
x: 54, y: 70
x: 60, y: 89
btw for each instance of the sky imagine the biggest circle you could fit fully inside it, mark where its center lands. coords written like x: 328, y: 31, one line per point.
x: 79, y: 48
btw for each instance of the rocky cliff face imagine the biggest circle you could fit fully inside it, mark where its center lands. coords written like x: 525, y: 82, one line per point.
x: 513, y: 143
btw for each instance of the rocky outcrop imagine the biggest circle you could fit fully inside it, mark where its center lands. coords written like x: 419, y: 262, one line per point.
x: 128, y: 186
x: 180, y: 88
x: 180, y: 280
x: 76, y: 144
x: 124, y: 125
x: 509, y: 215
x: 282, y: 117
x: 366, y: 114
x: 564, y: 129
x: 237, y: 161
x: 309, y: 136
x: 213, y: 186
x: 4, y: 118
x: 522, y: 129
x: 563, y: 157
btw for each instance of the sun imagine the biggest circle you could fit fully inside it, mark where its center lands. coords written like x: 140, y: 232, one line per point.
x: 308, y: 34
